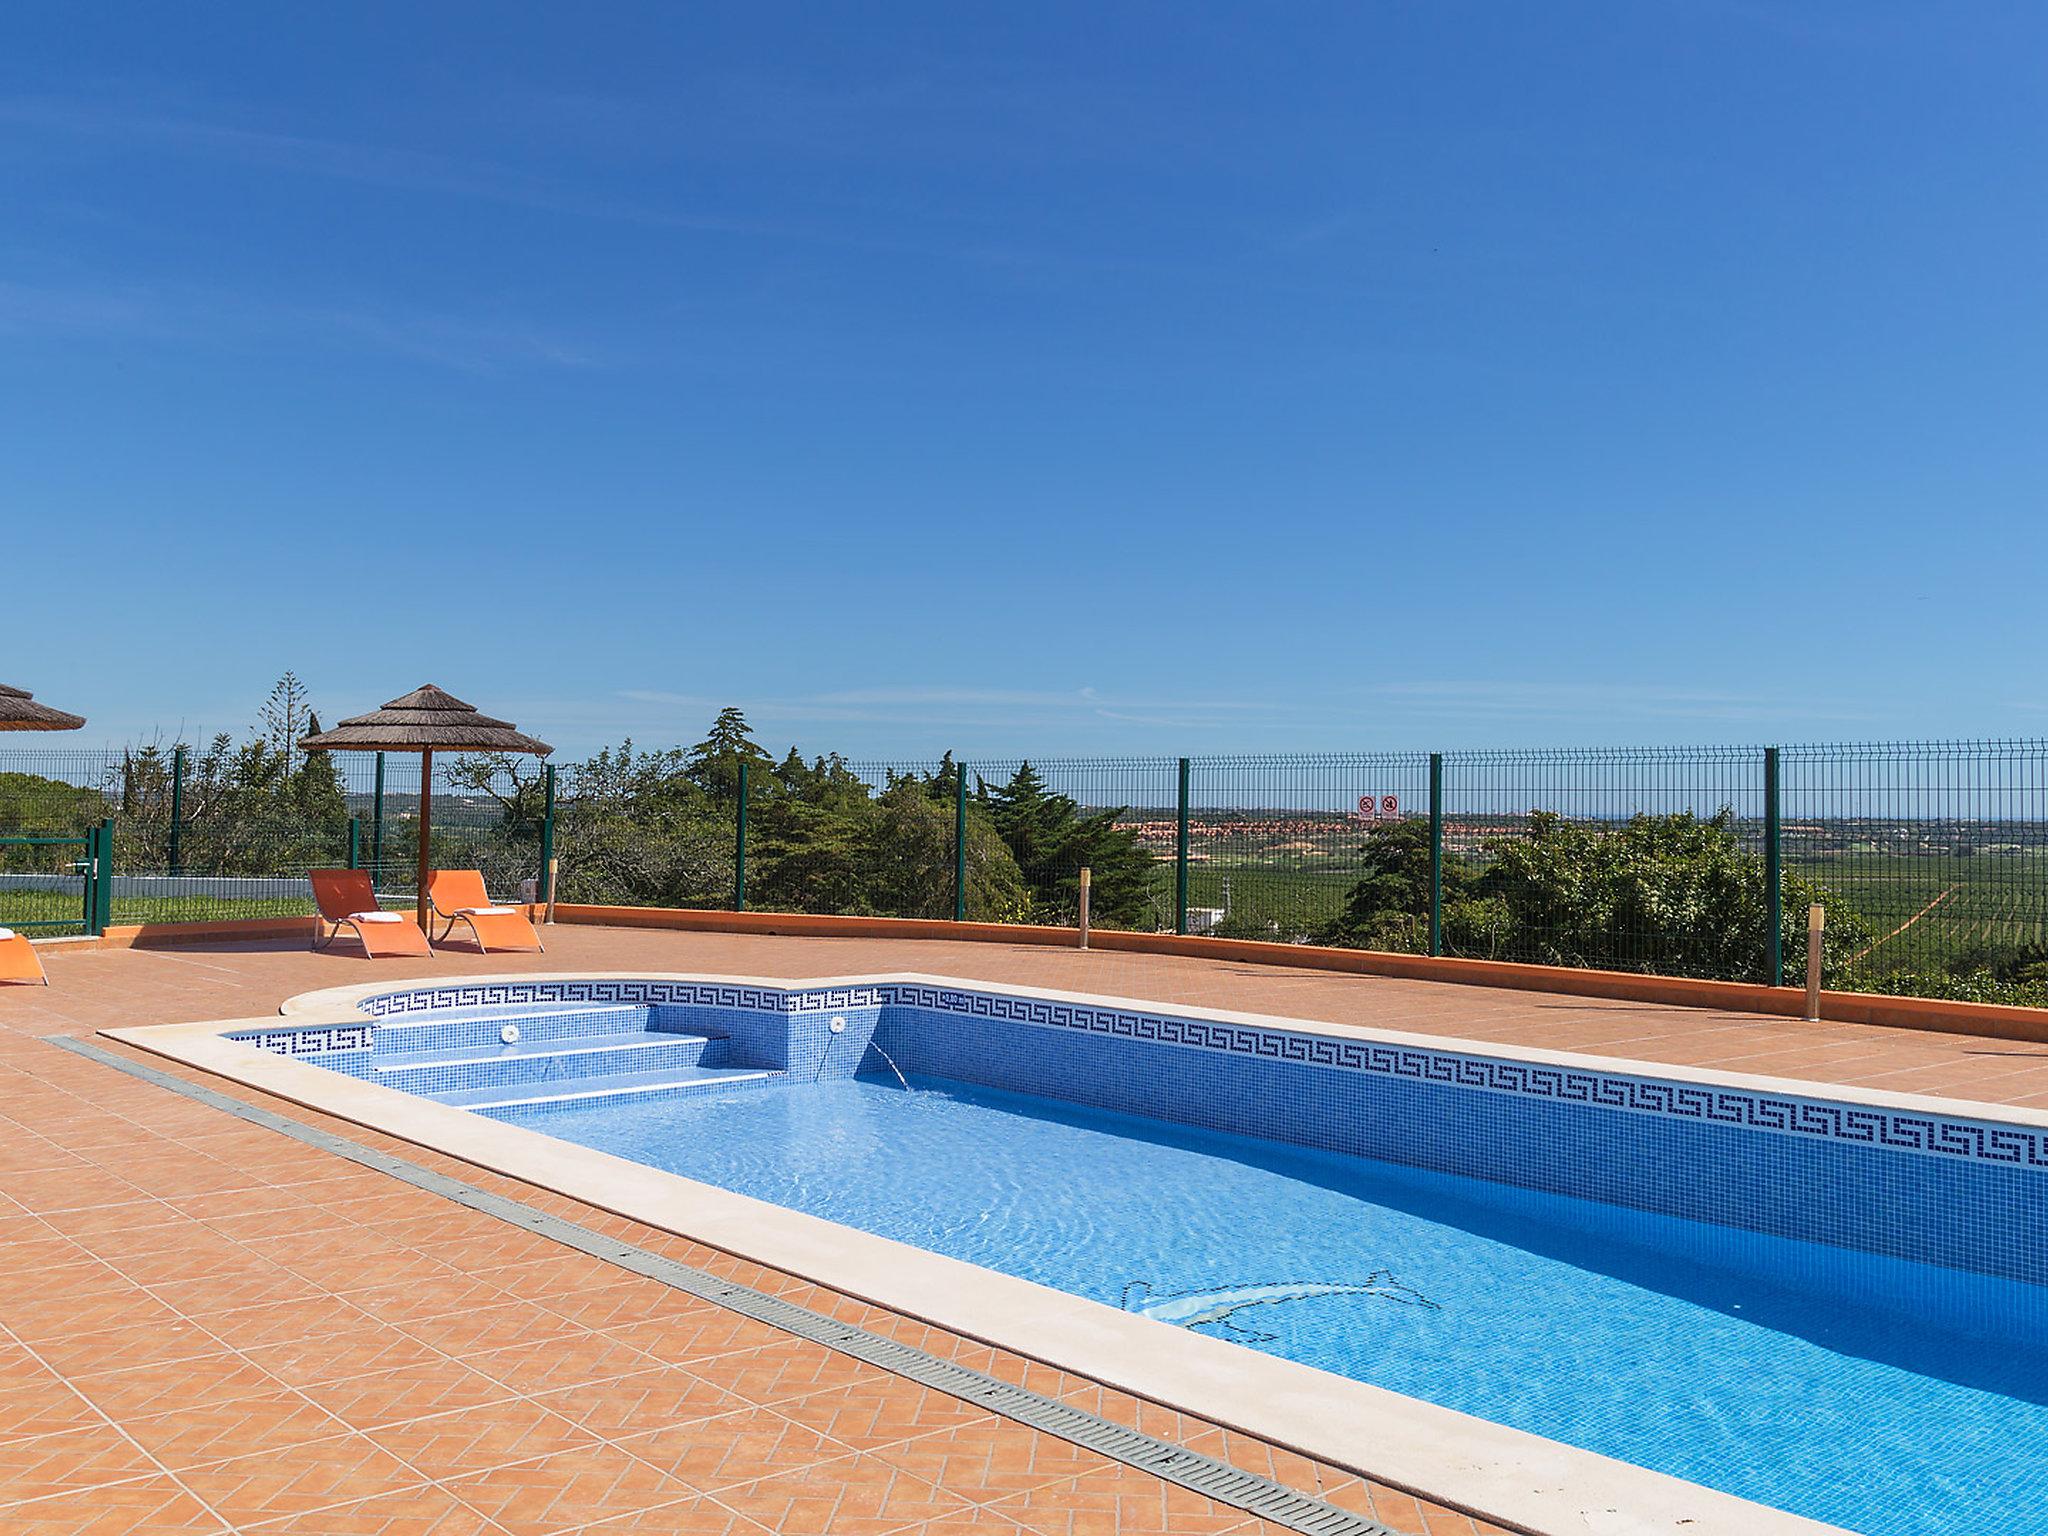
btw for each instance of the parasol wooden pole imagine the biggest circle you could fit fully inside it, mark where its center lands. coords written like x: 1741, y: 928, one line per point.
x: 426, y: 829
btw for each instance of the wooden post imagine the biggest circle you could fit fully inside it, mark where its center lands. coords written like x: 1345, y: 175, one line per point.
x: 426, y: 828
x: 1816, y: 921
x: 1085, y: 878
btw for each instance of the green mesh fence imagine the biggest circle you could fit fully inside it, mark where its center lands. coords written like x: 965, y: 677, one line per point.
x: 1931, y: 859
x: 205, y: 837
x: 1624, y: 859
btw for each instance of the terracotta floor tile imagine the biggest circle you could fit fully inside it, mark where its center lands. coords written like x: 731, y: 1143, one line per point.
x: 272, y: 1285
x: 876, y: 1414
x: 703, y: 1333
x: 298, y: 1479
x: 703, y: 1516
x: 413, y: 1391
x: 476, y: 1439
x: 69, y: 1189
x: 288, y: 1322
x: 505, y: 1325
x: 435, y: 1295
x: 619, y: 1303
x: 203, y: 1255
x: 854, y: 1496
x: 115, y: 1231
x: 571, y: 1359
x: 789, y: 1368
x: 738, y: 1447
x: 72, y: 1459
x: 642, y: 1402
x: 992, y: 1459
x: 62, y: 1313
x: 42, y: 1407
x: 120, y: 1349
x: 1121, y: 1502
x: 413, y: 1512
x: 563, y: 1272
x: 184, y: 1386
x: 32, y: 1252
x: 151, y: 1506
x: 572, y: 1489
x: 262, y: 1203
x: 193, y: 1435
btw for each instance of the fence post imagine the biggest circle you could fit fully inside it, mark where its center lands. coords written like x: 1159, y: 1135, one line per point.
x: 377, y: 819
x: 959, y: 842
x: 1436, y: 853
x: 103, y: 888
x: 1180, y: 858
x: 547, y: 833
x: 1774, y: 868
x: 355, y: 842
x: 89, y: 879
x: 739, y: 847
x: 177, y: 850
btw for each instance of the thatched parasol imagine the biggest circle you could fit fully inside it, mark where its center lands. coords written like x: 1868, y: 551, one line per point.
x: 19, y: 712
x: 423, y: 720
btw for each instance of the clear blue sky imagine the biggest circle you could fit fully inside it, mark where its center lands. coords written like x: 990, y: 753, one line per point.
x: 1061, y: 378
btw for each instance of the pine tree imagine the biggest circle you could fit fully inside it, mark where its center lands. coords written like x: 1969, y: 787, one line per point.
x: 1051, y: 839
x: 317, y: 785
x: 714, y: 764
x: 285, y: 714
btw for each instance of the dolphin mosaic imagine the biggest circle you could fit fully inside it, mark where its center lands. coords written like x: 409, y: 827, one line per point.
x: 1196, y: 1309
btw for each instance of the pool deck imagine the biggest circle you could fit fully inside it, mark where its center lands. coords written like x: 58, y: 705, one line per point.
x: 205, y: 1326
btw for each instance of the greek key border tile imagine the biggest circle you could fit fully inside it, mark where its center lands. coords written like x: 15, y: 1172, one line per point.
x: 1855, y: 1125
x: 1867, y: 1126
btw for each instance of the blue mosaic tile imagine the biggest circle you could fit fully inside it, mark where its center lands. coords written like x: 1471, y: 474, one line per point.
x: 1967, y: 1193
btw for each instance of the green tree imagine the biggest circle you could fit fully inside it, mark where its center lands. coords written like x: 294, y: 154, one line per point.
x: 316, y: 786
x: 714, y: 763
x: 1052, y: 838
x: 1388, y: 908
x: 908, y: 856
x: 634, y: 828
x: 34, y: 806
x: 1674, y: 894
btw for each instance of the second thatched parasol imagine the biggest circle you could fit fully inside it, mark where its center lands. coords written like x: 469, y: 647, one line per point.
x: 20, y: 712
x: 423, y: 721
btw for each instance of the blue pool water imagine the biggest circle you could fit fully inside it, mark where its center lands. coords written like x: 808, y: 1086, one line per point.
x: 1867, y: 1391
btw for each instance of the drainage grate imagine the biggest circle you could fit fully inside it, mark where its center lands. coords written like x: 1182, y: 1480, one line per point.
x: 1213, y: 1479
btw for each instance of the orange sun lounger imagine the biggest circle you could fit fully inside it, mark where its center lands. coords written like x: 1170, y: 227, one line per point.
x: 458, y: 896
x: 18, y: 960
x: 347, y: 899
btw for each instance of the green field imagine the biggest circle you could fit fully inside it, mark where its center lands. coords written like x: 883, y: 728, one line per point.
x: 1925, y: 913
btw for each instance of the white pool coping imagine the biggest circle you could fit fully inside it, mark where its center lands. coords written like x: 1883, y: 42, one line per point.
x: 1504, y: 1475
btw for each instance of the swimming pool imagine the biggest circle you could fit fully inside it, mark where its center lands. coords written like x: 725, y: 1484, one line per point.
x: 1832, y: 1308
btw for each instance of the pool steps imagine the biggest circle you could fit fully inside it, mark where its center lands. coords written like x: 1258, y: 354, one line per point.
x: 585, y: 1056
x: 568, y: 1054
x: 609, y: 1085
